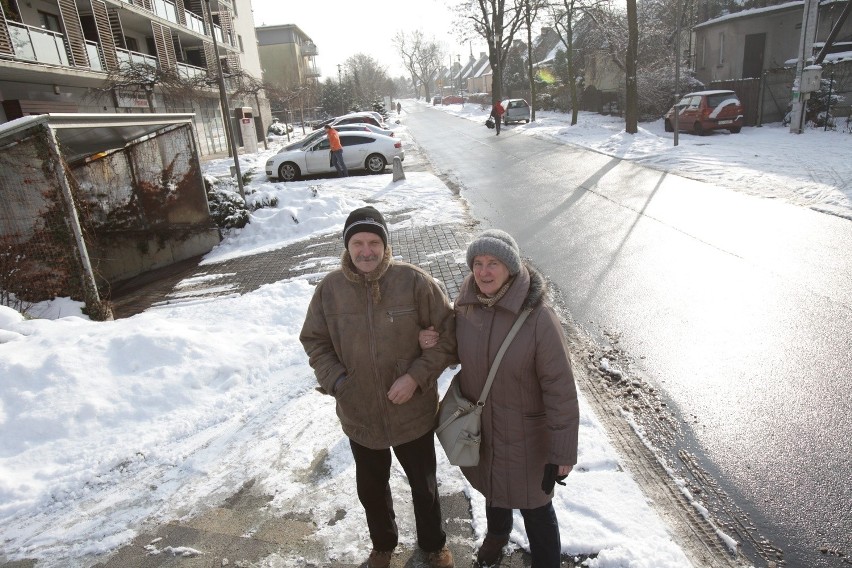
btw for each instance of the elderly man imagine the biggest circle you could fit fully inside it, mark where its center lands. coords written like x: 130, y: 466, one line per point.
x: 361, y: 337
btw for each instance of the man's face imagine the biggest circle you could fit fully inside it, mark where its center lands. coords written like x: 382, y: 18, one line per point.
x: 367, y: 251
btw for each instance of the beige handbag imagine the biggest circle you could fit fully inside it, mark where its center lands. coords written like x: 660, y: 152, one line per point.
x: 459, y: 419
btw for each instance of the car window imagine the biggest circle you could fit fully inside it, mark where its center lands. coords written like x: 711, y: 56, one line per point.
x: 715, y: 100
x: 355, y: 140
x: 322, y: 145
x: 694, y: 102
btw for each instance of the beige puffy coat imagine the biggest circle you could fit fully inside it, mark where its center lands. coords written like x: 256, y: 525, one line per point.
x: 531, y: 416
x: 347, y: 332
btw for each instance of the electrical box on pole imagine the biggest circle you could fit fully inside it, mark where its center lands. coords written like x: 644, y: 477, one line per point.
x: 806, y: 44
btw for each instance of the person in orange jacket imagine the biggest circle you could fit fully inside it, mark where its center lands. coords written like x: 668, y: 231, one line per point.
x: 336, y: 151
x: 497, y: 113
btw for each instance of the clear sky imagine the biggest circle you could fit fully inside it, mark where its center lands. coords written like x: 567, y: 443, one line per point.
x: 342, y: 28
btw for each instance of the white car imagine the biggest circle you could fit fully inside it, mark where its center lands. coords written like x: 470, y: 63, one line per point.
x: 361, y: 151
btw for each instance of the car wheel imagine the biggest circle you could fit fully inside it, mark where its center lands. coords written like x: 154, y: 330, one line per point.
x: 698, y: 129
x: 735, y: 129
x: 288, y: 171
x: 526, y: 121
x: 375, y: 163
x: 668, y: 126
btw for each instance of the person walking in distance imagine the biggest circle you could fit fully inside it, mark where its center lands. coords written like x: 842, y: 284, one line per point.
x: 497, y: 114
x: 361, y: 337
x: 398, y: 107
x: 336, y: 151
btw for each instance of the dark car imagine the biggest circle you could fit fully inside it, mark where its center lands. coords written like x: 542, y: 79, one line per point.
x: 703, y: 111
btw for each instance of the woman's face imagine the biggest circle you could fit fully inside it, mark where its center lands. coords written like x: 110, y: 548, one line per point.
x: 490, y: 274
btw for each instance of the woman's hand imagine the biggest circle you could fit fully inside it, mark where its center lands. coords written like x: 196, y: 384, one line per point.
x: 428, y: 337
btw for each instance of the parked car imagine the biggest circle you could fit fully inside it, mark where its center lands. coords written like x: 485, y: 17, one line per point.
x: 436, y: 100
x: 312, y: 137
x: 361, y: 151
x: 352, y: 118
x: 516, y: 110
x: 703, y: 111
x: 453, y: 100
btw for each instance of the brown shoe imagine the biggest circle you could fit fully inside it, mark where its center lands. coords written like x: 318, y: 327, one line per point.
x: 379, y: 558
x: 441, y: 559
x: 491, y: 550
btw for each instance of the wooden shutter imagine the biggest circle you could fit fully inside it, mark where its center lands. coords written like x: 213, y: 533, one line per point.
x: 165, y: 46
x: 5, y: 41
x: 226, y: 22
x: 73, y: 33
x: 116, y: 29
x: 105, y: 34
x: 181, y: 12
x: 210, y: 59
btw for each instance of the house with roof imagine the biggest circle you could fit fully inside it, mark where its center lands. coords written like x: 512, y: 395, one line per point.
x: 755, y: 52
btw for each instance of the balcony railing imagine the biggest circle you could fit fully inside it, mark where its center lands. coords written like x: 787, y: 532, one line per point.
x: 134, y: 57
x: 190, y: 71
x: 194, y: 22
x: 94, y: 53
x: 36, y: 44
x: 166, y: 10
x: 309, y: 49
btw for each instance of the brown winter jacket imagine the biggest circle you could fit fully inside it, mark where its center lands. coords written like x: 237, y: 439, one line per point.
x: 531, y: 416
x: 346, y: 332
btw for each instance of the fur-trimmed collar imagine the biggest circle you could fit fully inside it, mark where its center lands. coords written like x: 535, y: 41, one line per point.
x: 538, y: 288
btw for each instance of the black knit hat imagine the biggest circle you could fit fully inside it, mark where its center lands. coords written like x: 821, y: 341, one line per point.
x: 365, y: 220
x: 498, y: 244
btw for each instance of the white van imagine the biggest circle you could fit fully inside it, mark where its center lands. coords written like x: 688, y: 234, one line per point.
x: 516, y: 110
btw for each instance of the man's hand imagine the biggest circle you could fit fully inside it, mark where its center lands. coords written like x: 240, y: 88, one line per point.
x: 428, y: 337
x: 402, y: 389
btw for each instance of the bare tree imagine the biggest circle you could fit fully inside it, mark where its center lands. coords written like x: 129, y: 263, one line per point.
x: 367, y: 78
x: 531, y: 9
x: 631, y: 107
x: 421, y: 57
x: 135, y: 79
x: 497, y: 23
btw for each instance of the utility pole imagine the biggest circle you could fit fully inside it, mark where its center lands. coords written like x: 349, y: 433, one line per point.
x: 809, y: 26
x: 340, y: 88
x: 677, y: 73
x: 223, y: 100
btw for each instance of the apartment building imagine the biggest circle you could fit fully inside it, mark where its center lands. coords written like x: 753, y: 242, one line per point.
x: 76, y: 56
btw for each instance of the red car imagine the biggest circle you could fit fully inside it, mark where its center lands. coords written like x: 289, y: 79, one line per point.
x: 703, y: 111
x: 453, y: 100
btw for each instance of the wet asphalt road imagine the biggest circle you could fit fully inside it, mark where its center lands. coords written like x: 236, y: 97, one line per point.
x: 737, y: 309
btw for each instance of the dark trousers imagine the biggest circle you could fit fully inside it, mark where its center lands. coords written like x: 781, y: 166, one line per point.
x: 542, y: 530
x: 338, y: 163
x: 372, y: 475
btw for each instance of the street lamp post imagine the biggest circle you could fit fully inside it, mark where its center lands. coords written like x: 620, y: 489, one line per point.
x: 223, y: 100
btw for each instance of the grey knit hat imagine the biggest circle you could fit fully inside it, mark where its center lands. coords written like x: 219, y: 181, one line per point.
x: 498, y: 244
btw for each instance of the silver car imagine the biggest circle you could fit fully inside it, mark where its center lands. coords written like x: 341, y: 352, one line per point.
x: 361, y: 151
x: 516, y: 110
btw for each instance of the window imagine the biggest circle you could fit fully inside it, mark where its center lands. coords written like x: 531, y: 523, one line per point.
x: 703, y: 52
x: 355, y: 140
x: 240, y: 40
x: 721, y: 48
x: 131, y: 43
x: 49, y: 21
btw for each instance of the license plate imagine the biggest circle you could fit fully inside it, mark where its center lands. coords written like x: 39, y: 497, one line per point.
x: 725, y: 121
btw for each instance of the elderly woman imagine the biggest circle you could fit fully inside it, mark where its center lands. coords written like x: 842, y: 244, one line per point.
x: 531, y: 417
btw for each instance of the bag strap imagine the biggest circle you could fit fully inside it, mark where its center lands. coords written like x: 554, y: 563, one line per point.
x: 493, y: 371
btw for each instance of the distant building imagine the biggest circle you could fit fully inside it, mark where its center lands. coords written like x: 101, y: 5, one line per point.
x: 56, y: 54
x: 287, y: 56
